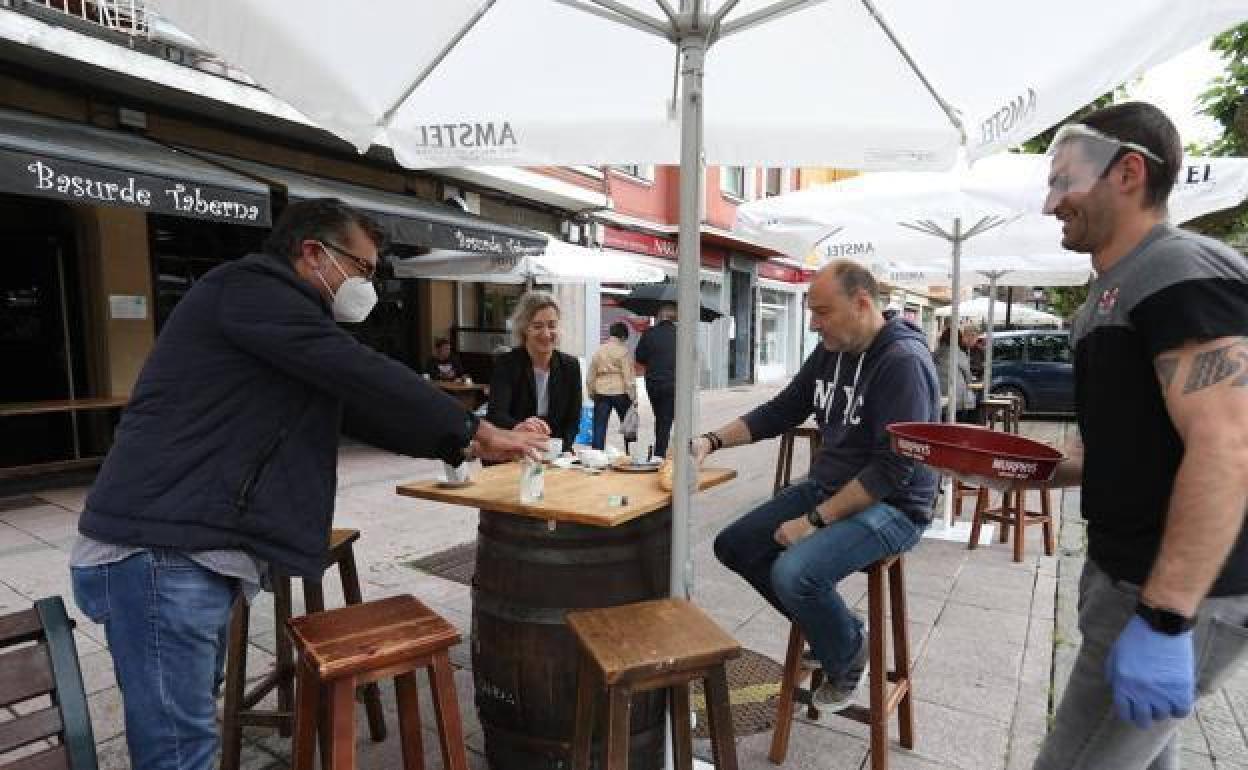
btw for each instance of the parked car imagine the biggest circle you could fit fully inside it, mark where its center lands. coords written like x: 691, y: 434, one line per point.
x: 1035, y: 365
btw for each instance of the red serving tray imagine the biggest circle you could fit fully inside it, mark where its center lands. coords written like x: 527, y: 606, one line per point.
x: 971, y: 451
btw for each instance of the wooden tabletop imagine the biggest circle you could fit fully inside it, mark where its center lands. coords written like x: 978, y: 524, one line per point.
x: 570, y: 495
x: 64, y: 405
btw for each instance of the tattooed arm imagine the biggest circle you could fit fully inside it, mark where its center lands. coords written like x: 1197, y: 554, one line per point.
x: 1206, y: 391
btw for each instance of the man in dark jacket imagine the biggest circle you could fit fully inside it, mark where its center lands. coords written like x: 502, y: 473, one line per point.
x: 656, y: 350
x: 225, y: 464
x: 861, y: 501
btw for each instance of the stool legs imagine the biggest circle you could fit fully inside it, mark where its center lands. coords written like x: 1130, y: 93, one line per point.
x: 884, y: 699
x: 285, y: 652
x: 719, y: 716
x: 682, y: 732
x: 235, y: 682
x: 372, y: 694
x: 409, y: 721
x: 586, y: 705
x: 788, y: 700
x: 306, y: 717
x: 616, y: 743
x: 1047, y: 511
x: 901, y: 651
x: 446, y: 709
x: 341, y: 700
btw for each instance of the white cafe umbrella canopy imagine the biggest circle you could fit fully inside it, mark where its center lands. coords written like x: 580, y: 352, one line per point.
x: 867, y: 85
x: 978, y: 310
x: 559, y: 263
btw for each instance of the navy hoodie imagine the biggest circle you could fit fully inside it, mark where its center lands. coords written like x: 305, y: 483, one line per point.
x: 853, y: 398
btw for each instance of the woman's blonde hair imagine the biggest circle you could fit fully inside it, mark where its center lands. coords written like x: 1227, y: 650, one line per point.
x: 530, y: 304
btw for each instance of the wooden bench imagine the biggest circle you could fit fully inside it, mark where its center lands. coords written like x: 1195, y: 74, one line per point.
x: 71, y: 406
x: 30, y: 673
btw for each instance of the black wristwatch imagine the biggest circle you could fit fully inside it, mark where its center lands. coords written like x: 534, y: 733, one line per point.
x: 1164, y: 621
x: 815, y: 519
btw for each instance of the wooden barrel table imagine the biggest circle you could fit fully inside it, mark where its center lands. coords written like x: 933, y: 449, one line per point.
x: 524, y: 658
x: 590, y: 542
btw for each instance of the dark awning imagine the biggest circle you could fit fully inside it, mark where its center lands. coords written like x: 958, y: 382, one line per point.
x: 406, y: 219
x: 77, y: 163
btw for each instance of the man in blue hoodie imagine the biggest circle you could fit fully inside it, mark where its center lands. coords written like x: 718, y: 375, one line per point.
x: 861, y: 501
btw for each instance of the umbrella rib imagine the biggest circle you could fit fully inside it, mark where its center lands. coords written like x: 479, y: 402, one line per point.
x: 762, y: 15
x: 622, y: 14
x: 668, y: 11
x: 950, y: 111
x: 437, y: 60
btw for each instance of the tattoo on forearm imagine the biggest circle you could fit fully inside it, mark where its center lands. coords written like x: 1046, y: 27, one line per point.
x: 1213, y: 366
x: 1166, y: 367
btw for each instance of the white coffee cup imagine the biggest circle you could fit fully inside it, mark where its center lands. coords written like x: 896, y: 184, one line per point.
x: 554, y: 448
x: 455, y: 474
x: 640, y: 453
x: 591, y: 458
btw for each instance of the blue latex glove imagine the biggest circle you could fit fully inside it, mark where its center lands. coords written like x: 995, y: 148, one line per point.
x: 1151, y: 674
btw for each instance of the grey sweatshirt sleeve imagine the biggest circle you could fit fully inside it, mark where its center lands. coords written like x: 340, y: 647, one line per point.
x: 788, y: 408
x: 904, y: 391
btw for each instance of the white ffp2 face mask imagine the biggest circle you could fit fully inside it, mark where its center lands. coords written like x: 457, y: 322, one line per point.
x: 355, y: 298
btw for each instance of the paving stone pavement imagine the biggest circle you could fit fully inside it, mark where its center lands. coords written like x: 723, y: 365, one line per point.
x: 992, y: 640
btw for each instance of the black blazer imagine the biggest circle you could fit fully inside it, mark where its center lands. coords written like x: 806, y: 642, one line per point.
x: 513, y: 393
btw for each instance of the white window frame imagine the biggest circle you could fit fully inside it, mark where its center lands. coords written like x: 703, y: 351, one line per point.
x: 636, y: 172
x: 729, y: 192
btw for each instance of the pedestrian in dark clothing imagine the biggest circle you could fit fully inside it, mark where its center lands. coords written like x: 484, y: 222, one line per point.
x: 657, y: 352
x: 443, y: 365
x: 225, y: 463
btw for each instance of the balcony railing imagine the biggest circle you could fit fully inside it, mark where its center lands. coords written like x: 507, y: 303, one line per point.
x: 128, y: 17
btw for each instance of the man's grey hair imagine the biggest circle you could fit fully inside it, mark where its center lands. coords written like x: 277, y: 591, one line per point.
x: 853, y: 277
x: 530, y: 304
x: 667, y: 312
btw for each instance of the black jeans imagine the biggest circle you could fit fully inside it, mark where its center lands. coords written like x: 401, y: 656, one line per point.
x: 663, y: 402
x: 602, y: 415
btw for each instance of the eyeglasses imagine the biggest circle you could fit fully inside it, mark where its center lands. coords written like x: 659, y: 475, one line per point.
x: 366, y: 268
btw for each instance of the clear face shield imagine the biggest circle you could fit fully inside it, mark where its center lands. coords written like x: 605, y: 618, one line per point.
x: 1079, y: 157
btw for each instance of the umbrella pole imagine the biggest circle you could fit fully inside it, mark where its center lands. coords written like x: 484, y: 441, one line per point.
x: 951, y: 414
x: 992, y: 307
x: 693, y: 52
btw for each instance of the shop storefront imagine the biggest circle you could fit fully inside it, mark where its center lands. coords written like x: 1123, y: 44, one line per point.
x: 781, y: 300
x: 714, y: 340
x: 78, y: 310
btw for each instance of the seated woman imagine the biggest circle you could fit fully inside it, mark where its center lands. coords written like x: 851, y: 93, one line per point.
x: 535, y: 387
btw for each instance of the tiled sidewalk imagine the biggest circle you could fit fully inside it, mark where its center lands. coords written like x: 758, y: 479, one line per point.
x: 981, y: 627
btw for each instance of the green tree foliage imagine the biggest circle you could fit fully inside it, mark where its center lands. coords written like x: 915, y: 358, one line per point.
x: 1224, y: 101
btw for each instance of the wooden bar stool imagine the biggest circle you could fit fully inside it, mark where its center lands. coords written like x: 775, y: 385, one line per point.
x: 784, y: 458
x: 884, y: 699
x: 1013, y: 515
x: 343, y: 649
x: 1002, y: 413
x: 635, y: 648
x: 240, y: 710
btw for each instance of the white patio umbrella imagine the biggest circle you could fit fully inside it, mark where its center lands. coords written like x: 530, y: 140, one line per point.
x: 557, y: 82
x: 981, y: 309
x: 561, y: 262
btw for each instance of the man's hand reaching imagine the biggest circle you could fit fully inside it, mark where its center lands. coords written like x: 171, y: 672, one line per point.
x: 497, y: 445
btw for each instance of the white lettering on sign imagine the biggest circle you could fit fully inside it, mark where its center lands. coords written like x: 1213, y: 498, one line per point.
x: 913, y: 448
x: 193, y: 201
x: 1014, y: 469
x: 483, y: 244
x: 184, y: 200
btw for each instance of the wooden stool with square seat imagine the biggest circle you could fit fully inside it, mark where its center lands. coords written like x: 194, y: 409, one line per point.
x: 784, y: 458
x: 1013, y: 516
x: 343, y: 649
x: 240, y: 710
x: 884, y: 699
x: 635, y: 648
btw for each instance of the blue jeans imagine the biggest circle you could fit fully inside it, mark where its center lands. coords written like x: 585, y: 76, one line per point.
x: 801, y: 581
x: 166, y: 619
x: 602, y: 415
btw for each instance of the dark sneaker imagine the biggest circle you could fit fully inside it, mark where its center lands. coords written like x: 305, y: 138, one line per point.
x: 837, y: 693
